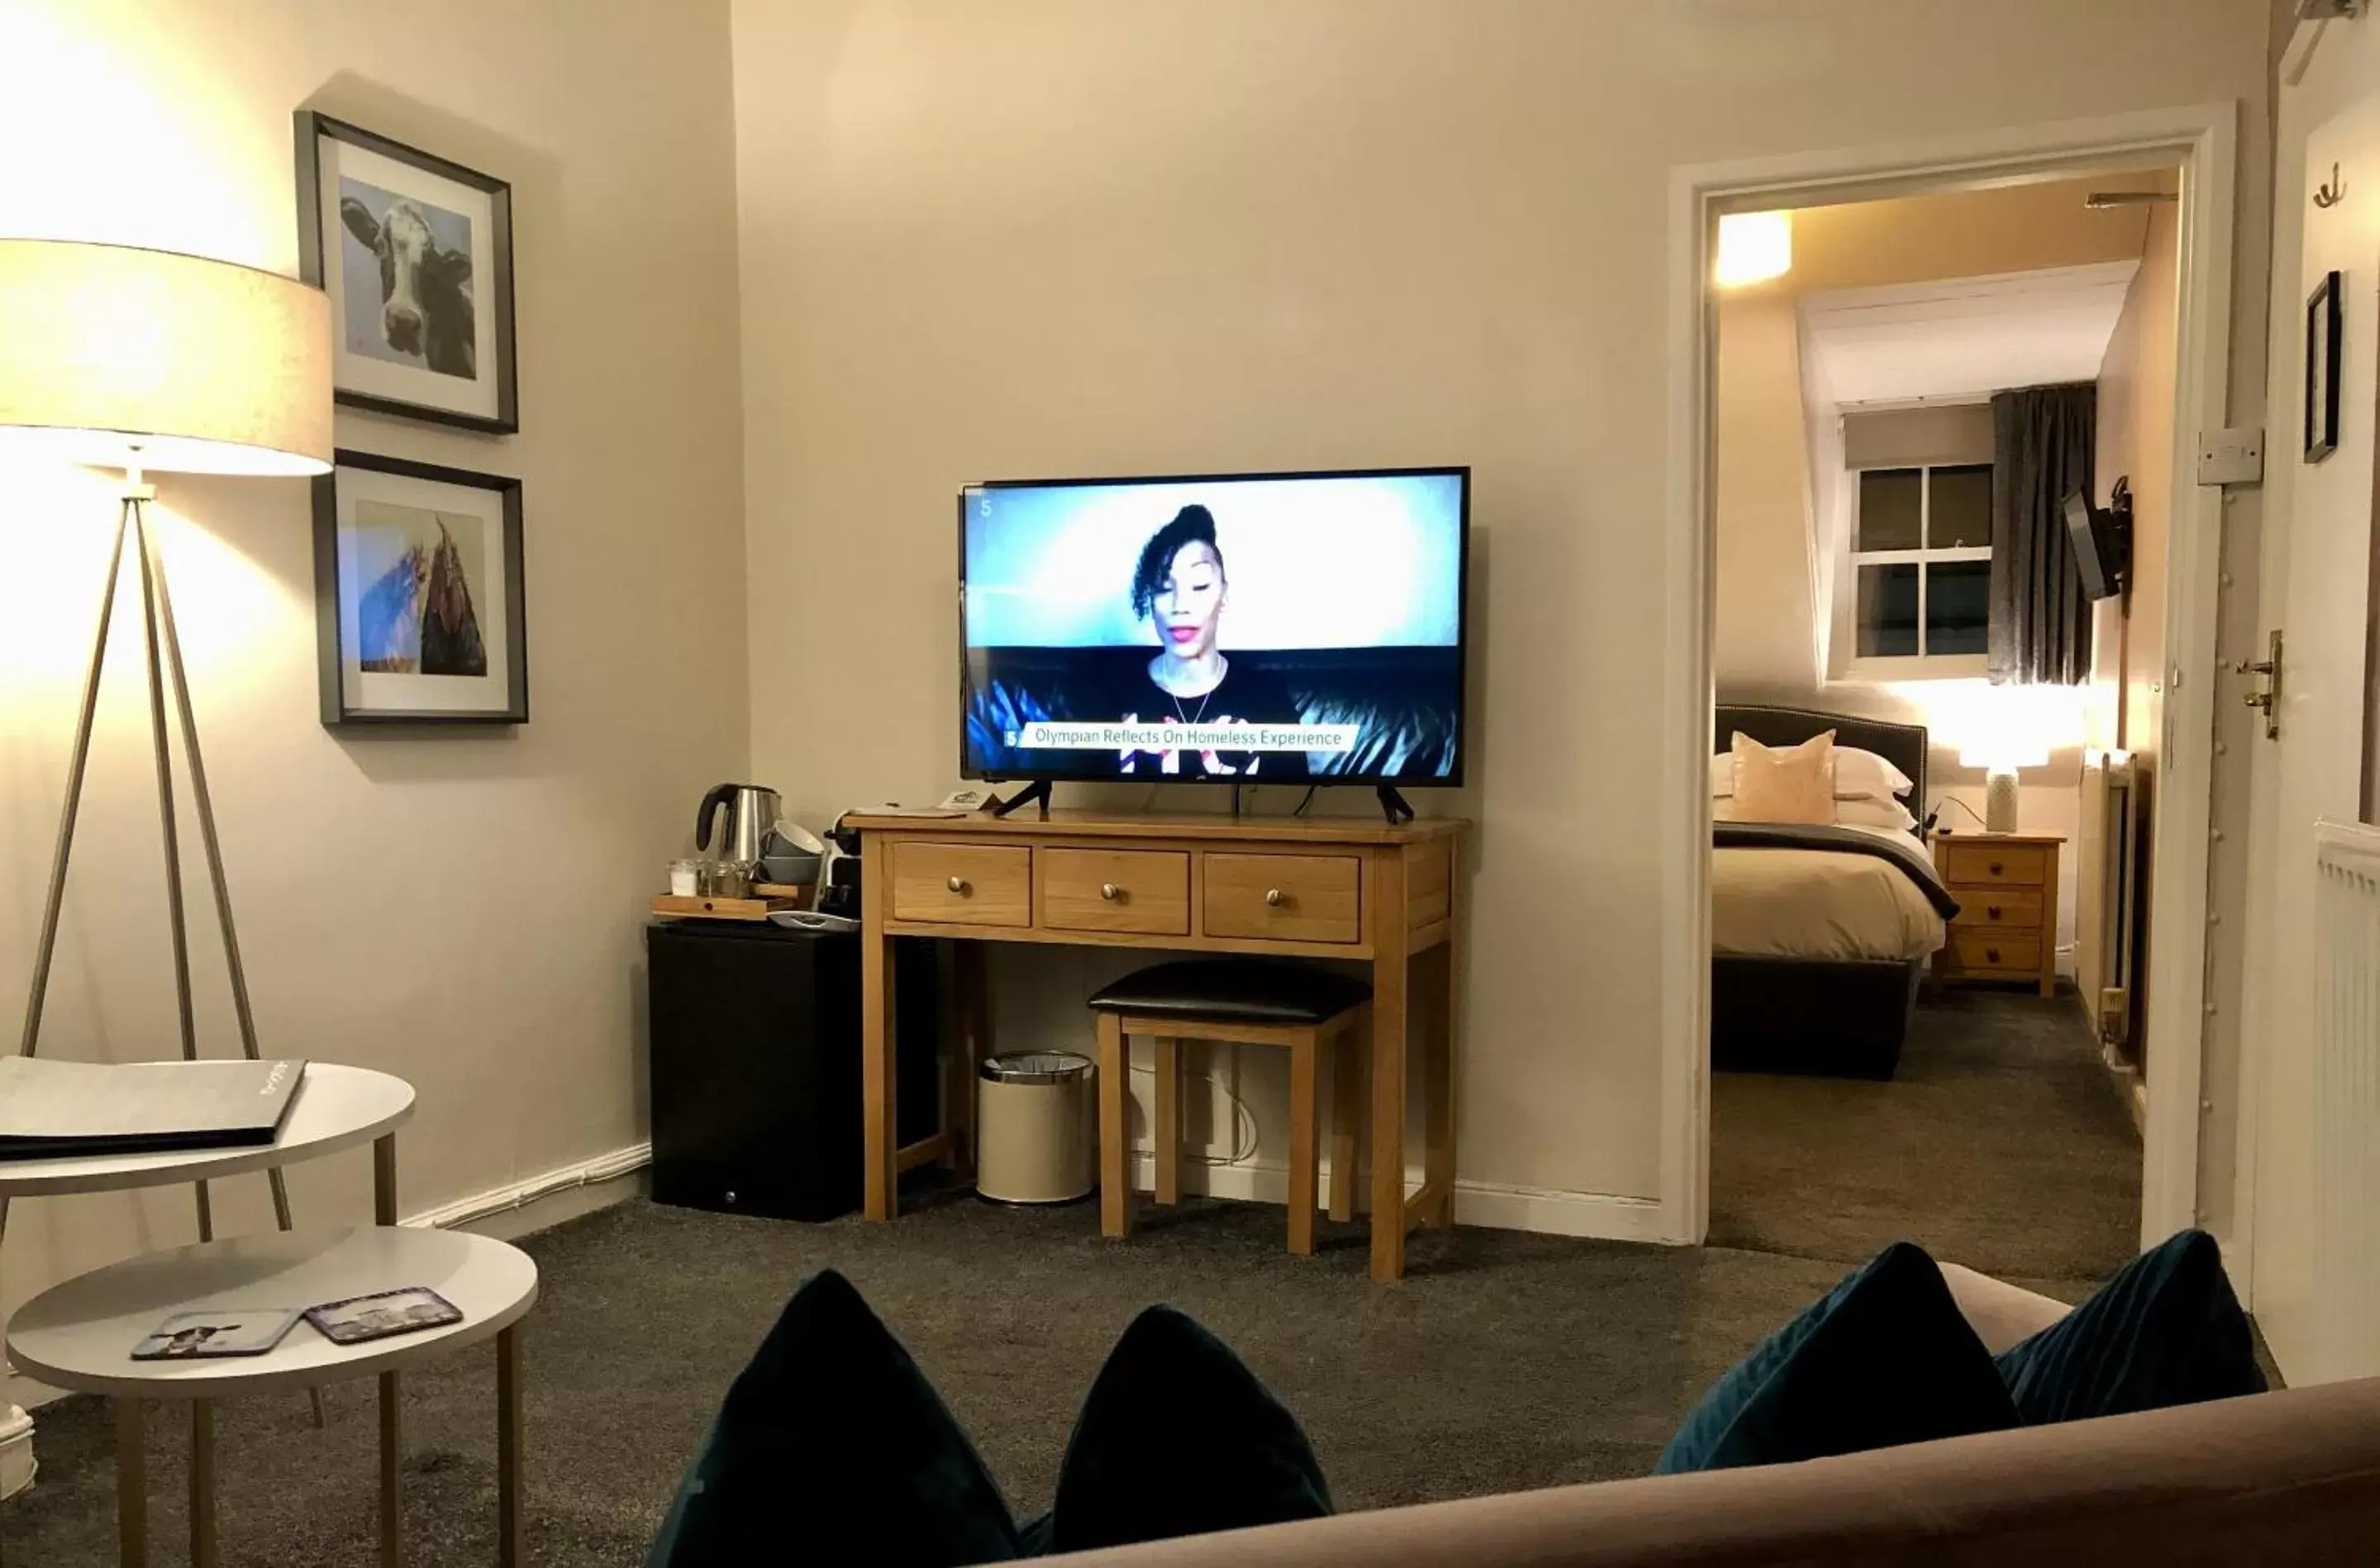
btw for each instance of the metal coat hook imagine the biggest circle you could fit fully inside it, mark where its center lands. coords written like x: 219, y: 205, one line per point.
x: 2329, y: 195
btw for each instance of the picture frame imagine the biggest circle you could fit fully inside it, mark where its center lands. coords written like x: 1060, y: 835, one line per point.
x: 419, y: 601
x: 2323, y: 326
x: 433, y: 241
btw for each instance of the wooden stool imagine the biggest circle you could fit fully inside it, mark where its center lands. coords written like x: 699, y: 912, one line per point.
x: 1302, y: 1008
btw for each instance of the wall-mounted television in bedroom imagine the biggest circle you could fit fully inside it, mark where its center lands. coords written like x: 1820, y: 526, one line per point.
x: 1233, y: 628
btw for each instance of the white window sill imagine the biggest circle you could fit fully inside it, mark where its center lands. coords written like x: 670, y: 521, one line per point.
x: 1937, y: 667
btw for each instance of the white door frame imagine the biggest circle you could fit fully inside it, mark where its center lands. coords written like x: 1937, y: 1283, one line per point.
x: 2202, y: 138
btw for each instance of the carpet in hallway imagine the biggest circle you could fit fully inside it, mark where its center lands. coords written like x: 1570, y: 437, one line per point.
x: 2001, y: 1143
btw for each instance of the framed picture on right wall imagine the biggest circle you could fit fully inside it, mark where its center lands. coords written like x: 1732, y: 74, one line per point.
x: 2323, y: 324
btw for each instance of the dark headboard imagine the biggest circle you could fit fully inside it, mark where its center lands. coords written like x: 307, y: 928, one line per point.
x: 1903, y: 746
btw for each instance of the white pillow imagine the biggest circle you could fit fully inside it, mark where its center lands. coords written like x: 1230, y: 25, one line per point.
x: 1872, y: 813
x: 1859, y: 776
x: 1862, y: 813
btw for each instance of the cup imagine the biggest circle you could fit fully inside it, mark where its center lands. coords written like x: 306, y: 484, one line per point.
x: 685, y: 879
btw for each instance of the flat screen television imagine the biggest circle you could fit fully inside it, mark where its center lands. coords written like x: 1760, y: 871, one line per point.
x: 2102, y: 537
x: 1233, y: 628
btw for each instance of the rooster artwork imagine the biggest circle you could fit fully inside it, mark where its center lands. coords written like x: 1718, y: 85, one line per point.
x: 415, y: 617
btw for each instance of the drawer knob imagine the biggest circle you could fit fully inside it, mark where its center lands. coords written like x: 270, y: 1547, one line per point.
x: 1109, y: 892
x: 1994, y: 868
x: 1992, y: 955
x: 959, y: 886
x: 1273, y: 898
x: 1992, y: 910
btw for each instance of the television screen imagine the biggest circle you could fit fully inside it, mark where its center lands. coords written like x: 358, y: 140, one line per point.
x: 2088, y: 530
x: 1253, y: 629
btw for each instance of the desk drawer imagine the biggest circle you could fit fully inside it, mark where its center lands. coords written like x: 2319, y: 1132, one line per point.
x: 1285, y: 897
x: 1143, y: 890
x: 967, y: 884
x: 1988, y: 952
x: 1996, y: 908
x: 1996, y: 865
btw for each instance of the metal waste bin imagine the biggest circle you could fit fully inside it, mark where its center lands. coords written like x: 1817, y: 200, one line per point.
x: 1037, y: 1128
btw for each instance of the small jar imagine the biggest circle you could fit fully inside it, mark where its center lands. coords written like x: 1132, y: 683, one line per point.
x: 730, y: 879
x: 685, y: 879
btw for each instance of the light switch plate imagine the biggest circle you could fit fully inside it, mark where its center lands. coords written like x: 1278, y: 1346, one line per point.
x: 2231, y: 456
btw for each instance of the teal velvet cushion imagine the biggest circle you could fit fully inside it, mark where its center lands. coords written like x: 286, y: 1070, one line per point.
x: 1178, y: 1438
x: 830, y: 1437
x: 2166, y: 1329
x: 1885, y: 1358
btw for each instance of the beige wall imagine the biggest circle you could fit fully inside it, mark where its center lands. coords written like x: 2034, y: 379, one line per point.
x: 1060, y: 236
x: 2127, y: 700
x: 461, y: 909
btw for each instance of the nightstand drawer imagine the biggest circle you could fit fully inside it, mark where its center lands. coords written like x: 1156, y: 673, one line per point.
x: 1285, y: 897
x: 2017, y: 954
x: 1141, y: 891
x: 965, y: 884
x: 1996, y: 865
x: 2016, y: 908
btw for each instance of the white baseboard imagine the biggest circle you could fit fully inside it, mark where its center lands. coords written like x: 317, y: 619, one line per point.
x: 1603, y: 1216
x: 545, y: 1199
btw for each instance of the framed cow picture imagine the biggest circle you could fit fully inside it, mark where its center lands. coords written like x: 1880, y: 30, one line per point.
x: 418, y: 604
x: 417, y: 256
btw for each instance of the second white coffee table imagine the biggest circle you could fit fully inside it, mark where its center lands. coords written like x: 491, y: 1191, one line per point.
x: 79, y: 1335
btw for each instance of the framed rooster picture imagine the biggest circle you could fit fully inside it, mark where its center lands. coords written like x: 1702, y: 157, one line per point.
x: 417, y: 256
x: 418, y: 594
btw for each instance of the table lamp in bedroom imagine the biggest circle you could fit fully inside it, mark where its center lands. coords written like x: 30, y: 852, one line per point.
x: 2000, y: 756
x: 133, y: 359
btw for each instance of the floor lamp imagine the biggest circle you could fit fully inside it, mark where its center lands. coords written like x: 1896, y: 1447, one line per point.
x: 144, y: 360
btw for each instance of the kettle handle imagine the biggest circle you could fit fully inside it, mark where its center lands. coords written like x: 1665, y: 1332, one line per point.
x: 719, y: 799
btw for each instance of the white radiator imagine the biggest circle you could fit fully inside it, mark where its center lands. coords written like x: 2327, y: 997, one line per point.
x: 2347, y: 1098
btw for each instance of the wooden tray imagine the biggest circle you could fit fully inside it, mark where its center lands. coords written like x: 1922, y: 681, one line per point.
x: 674, y: 907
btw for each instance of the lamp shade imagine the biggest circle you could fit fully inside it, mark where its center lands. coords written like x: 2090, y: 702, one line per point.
x: 120, y: 357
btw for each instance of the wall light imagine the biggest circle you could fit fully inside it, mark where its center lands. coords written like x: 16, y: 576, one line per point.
x: 1753, y: 248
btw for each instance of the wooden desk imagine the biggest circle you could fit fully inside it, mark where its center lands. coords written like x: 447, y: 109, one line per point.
x: 1281, y: 886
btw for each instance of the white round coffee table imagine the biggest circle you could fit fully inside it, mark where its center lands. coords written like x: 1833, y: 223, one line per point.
x: 334, y: 1108
x: 79, y: 1335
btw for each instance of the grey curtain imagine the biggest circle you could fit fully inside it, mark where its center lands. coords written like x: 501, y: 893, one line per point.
x: 2043, y: 438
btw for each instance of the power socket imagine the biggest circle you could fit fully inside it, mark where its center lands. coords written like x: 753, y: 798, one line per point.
x: 2231, y: 456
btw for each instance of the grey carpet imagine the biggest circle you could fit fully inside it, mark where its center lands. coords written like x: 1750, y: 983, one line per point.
x: 1505, y: 1360
x: 2001, y: 1143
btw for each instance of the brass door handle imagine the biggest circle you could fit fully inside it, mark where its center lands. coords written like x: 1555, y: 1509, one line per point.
x: 959, y: 886
x: 2267, y: 699
x: 1273, y: 898
x: 1109, y: 892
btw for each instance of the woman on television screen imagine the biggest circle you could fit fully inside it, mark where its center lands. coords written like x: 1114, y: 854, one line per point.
x: 1182, y: 588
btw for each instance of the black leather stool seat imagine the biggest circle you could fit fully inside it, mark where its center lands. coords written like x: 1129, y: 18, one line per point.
x: 1233, y: 991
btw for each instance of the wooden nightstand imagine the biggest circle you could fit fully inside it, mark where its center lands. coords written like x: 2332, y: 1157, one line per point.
x: 2006, y: 925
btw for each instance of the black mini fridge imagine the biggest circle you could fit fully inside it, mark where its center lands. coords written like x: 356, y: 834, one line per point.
x: 755, y: 1065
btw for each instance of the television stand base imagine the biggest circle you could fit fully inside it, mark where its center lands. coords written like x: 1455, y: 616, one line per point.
x: 1038, y: 790
x: 1392, y: 805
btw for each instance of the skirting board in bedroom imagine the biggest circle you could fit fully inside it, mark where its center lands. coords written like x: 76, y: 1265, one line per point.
x: 1603, y: 1216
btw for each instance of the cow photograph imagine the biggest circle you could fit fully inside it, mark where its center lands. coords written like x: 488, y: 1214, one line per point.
x: 416, y: 254
x: 415, y: 258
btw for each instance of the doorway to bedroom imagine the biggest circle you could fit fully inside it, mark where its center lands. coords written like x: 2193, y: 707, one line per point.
x: 1926, y: 967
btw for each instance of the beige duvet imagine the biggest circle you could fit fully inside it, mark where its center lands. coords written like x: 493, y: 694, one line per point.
x: 1817, y: 904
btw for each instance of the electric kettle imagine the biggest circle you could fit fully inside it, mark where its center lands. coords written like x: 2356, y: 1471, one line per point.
x: 752, y: 810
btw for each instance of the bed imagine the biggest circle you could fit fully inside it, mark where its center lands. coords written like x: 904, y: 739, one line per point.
x: 1819, y: 937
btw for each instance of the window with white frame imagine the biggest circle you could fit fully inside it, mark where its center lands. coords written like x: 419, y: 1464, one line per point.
x: 1922, y: 568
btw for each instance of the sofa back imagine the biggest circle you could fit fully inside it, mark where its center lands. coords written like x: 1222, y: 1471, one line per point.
x: 2278, y: 1478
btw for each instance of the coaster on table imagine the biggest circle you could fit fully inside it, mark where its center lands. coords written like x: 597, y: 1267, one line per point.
x: 382, y: 1313
x: 218, y: 1331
